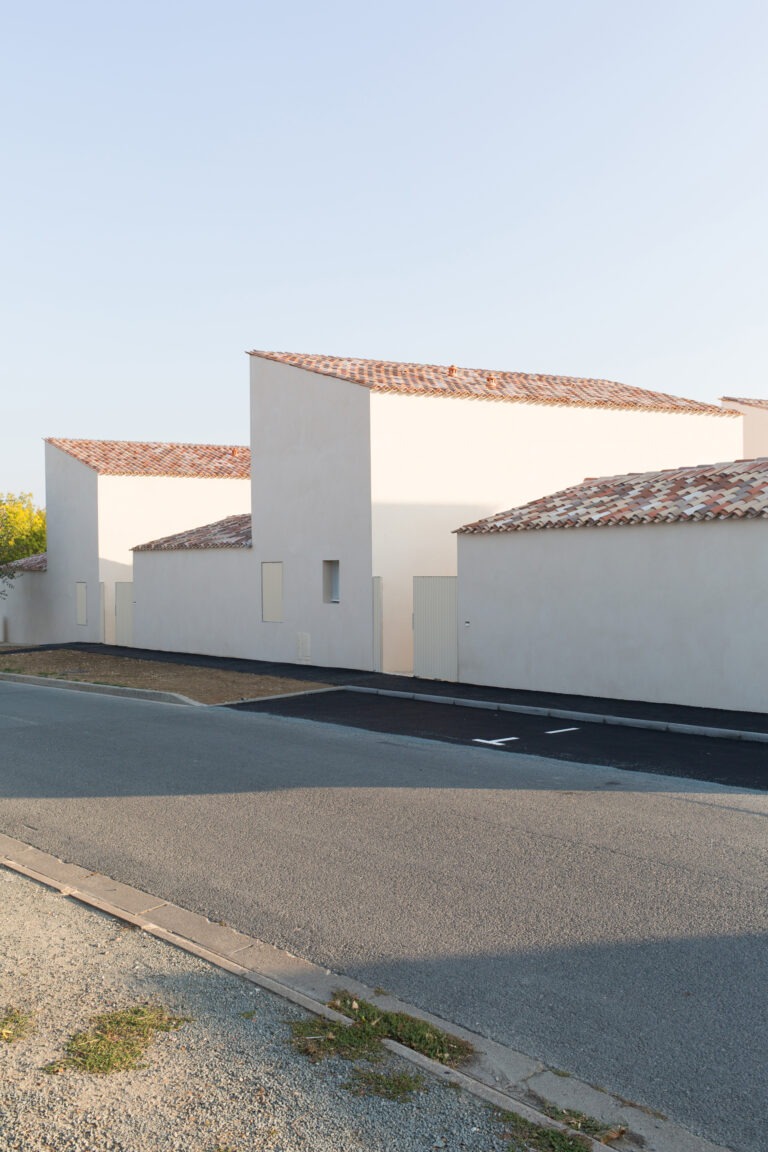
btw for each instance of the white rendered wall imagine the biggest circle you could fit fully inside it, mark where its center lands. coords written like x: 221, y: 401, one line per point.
x: 71, y: 490
x: 25, y: 612
x: 136, y: 509
x: 437, y: 464
x: 755, y: 429
x: 196, y: 601
x: 311, y: 502
x: 670, y: 613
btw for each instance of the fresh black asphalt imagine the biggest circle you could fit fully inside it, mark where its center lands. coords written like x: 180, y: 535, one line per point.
x: 720, y: 761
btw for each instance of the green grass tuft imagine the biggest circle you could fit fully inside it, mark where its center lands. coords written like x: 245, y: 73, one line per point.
x: 523, y: 1136
x: 14, y: 1025
x: 398, y: 1086
x: 579, y: 1121
x: 318, y: 1039
x: 408, y: 1030
x: 116, y: 1041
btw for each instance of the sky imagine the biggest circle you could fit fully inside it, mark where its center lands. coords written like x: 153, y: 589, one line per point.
x: 574, y: 187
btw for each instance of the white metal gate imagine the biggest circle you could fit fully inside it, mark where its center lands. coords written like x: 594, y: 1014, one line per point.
x: 124, y: 613
x: 435, y: 629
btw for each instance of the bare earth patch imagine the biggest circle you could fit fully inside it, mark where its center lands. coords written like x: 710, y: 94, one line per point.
x: 207, y: 685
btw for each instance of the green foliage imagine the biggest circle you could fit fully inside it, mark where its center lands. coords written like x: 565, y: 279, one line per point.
x: 22, y: 532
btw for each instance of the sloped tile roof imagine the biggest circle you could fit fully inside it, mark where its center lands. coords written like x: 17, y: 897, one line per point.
x: 749, y: 401
x: 232, y: 532
x: 134, y: 458
x: 481, y: 383
x: 38, y: 563
x: 734, y: 490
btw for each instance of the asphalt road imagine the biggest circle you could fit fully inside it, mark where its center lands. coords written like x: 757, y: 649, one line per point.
x: 611, y: 923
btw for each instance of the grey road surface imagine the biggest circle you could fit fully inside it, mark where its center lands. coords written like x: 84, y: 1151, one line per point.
x: 613, y: 924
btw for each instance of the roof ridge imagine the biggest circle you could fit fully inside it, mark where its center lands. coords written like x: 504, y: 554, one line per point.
x: 449, y: 381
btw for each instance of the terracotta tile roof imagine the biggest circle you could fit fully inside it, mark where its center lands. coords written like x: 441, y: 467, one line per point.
x: 232, y: 532
x: 734, y: 490
x: 481, y: 383
x: 37, y: 563
x: 749, y: 401
x: 132, y: 458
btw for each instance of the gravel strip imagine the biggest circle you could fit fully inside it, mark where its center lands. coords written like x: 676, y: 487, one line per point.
x: 222, y: 1083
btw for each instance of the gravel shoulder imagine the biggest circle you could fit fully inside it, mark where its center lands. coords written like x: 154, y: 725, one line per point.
x: 206, y: 685
x: 227, y: 1081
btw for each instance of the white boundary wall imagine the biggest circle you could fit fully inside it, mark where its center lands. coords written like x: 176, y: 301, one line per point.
x: 668, y: 613
x: 25, y: 611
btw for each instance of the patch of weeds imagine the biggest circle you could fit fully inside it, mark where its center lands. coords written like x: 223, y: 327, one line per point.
x: 14, y: 1025
x: 398, y: 1086
x: 579, y: 1121
x: 117, y: 1040
x: 408, y: 1030
x: 318, y: 1039
x: 642, y: 1108
x: 524, y: 1136
x: 248, y: 1015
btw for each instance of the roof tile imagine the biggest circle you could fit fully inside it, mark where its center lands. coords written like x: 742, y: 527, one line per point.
x: 748, y: 401
x: 481, y: 383
x: 734, y: 490
x: 232, y: 532
x: 134, y: 458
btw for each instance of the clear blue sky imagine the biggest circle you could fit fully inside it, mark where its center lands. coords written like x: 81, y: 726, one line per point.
x: 564, y: 186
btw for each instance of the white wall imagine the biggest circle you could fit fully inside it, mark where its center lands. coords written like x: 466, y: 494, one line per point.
x: 755, y: 429
x: 437, y: 464
x: 196, y: 601
x: 25, y: 611
x: 136, y: 509
x: 311, y: 501
x: 671, y: 613
x: 72, y: 525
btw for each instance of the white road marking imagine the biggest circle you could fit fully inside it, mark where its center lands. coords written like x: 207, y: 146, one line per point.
x: 557, y: 731
x: 496, y: 743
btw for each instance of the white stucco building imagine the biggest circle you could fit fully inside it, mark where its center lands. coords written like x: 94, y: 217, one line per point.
x: 102, y: 496
x: 645, y: 587
x: 361, y: 472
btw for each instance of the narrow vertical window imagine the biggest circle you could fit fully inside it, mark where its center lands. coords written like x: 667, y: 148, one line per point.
x: 272, y: 592
x: 331, y: 581
x: 81, y: 602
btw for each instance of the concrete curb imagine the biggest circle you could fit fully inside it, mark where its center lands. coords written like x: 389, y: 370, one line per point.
x: 567, y: 714
x: 103, y: 689
x: 500, y: 1076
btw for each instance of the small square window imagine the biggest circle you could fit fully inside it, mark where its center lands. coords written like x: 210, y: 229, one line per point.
x: 331, y: 581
